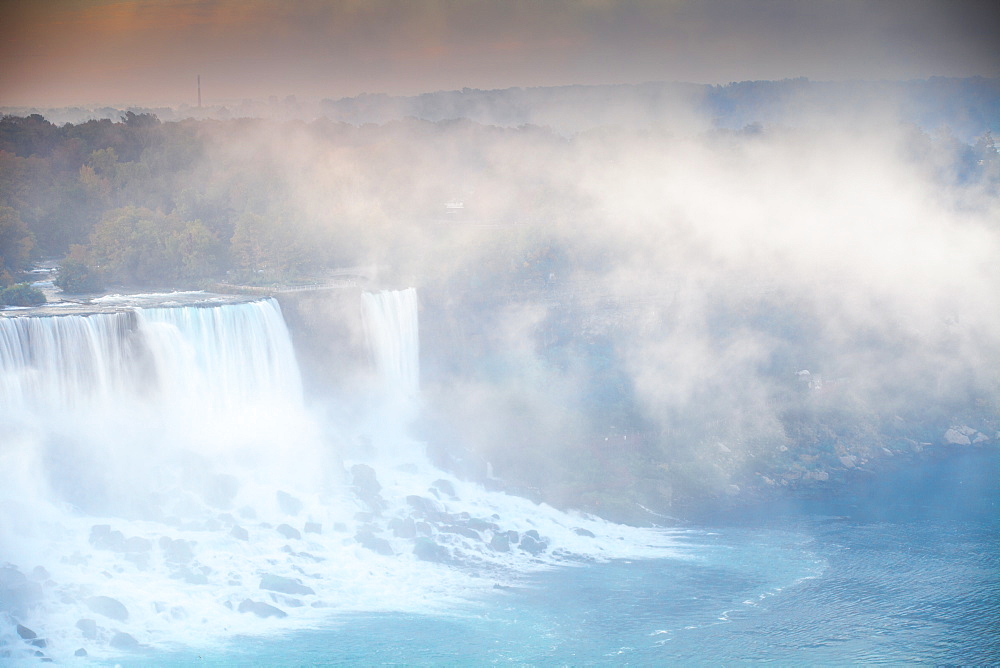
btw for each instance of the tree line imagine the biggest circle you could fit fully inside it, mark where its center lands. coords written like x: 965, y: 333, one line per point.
x: 134, y: 203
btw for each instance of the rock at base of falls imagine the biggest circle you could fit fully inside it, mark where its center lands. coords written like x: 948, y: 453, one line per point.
x: 176, y: 551
x: 261, y: 609
x: 367, y: 487
x: 284, y: 585
x: 427, y: 550
x: 17, y: 593
x: 445, y: 487
x: 88, y: 627
x: 288, y: 503
x: 288, y: 531
x: 500, y: 542
x: 532, y: 545
x: 109, y: 607
x: 121, y: 640
x: 372, y: 542
x: 403, y: 528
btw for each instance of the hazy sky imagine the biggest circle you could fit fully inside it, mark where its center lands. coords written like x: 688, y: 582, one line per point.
x: 147, y: 52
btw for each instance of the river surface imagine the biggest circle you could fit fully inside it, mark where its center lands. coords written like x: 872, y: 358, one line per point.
x: 902, y: 570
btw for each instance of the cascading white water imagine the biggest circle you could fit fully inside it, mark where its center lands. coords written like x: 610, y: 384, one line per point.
x: 222, y: 357
x: 162, y: 480
x: 55, y: 363
x: 212, y: 357
x: 123, y: 410
x: 394, y: 338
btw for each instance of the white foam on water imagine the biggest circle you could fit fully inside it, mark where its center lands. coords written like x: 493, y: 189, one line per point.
x: 165, y: 460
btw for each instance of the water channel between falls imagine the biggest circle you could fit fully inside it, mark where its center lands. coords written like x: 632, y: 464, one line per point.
x: 170, y: 496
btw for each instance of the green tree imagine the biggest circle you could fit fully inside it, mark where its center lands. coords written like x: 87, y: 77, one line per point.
x: 21, y: 294
x: 16, y: 244
x: 270, y: 248
x: 75, y: 276
x: 139, y: 246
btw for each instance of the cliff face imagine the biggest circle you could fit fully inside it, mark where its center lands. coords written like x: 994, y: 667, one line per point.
x: 329, y: 338
x: 551, y: 410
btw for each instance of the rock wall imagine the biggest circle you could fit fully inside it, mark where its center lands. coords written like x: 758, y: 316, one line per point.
x: 329, y: 337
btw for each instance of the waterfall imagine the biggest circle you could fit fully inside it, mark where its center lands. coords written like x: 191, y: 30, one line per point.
x: 58, y: 362
x: 222, y: 357
x: 115, y: 412
x: 217, y: 357
x: 162, y: 481
x: 394, y: 338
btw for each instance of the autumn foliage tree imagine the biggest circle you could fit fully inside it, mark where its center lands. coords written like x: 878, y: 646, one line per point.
x: 139, y: 246
x: 16, y: 244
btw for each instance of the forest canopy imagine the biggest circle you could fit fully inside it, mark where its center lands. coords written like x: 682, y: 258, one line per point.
x: 252, y: 200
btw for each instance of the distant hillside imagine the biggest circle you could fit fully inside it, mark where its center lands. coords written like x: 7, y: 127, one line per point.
x: 967, y: 108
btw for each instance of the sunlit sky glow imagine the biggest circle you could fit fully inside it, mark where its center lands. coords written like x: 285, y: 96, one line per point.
x: 149, y: 52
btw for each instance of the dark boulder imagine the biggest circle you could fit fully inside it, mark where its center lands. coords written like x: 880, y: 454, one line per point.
x: 445, y: 487
x: 261, y: 609
x: 424, y: 505
x: 284, y: 585
x: 427, y: 550
x: 500, y: 542
x: 288, y: 503
x: 583, y: 532
x: 109, y: 607
x: 239, y: 533
x: 26, y: 633
x: 461, y: 531
x: 103, y: 538
x: 372, y: 542
x: 80, y: 652
x: 88, y: 627
x: 124, y: 641
x: 176, y: 551
x: 481, y: 525
x: 288, y: 532
x: 367, y: 487
x: 531, y: 545
x: 403, y: 528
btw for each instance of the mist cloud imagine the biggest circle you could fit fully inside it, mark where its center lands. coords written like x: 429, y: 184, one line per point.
x: 670, y: 284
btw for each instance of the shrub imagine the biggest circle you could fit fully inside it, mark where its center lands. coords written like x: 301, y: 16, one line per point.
x: 75, y: 277
x: 21, y: 294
